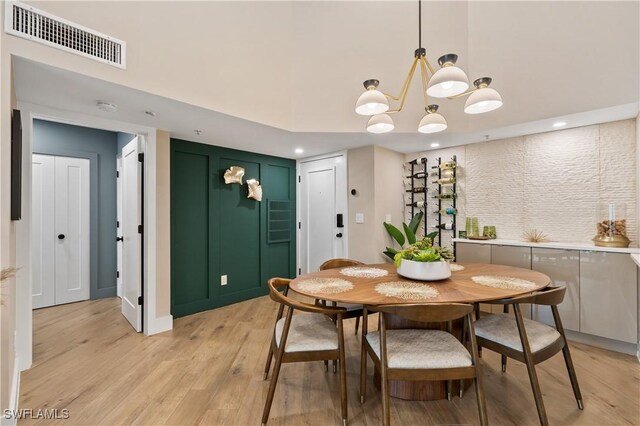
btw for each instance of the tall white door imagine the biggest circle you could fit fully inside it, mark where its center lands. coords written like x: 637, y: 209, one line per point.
x: 60, y: 232
x: 323, y: 208
x: 119, y: 237
x: 43, y: 240
x: 131, y: 178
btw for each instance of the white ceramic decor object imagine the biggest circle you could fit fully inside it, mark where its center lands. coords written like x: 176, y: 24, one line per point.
x: 424, y: 271
x: 233, y: 174
x: 255, y: 190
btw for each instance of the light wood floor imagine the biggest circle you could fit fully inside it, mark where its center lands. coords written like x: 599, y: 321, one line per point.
x: 208, y: 370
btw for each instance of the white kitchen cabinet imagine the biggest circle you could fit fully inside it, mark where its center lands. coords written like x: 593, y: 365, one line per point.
x: 608, y: 295
x: 563, y: 267
x: 473, y: 253
x: 519, y: 257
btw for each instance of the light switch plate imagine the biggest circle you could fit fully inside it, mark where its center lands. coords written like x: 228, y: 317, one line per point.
x: 387, y: 218
x: 223, y: 280
x: 359, y: 217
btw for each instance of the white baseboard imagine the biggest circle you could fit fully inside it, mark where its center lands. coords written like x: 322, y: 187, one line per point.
x: 602, y: 342
x: 15, y: 395
x: 160, y: 325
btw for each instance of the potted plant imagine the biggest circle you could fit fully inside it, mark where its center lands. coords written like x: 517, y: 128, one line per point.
x: 424, y: 261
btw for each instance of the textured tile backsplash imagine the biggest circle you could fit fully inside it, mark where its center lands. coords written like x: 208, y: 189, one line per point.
x: 554, y: 182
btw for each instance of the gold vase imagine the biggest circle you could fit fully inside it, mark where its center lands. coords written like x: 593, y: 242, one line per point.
x: 612, y: 241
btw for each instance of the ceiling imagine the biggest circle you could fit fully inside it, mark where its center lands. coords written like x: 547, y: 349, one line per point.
x: 577, y: 60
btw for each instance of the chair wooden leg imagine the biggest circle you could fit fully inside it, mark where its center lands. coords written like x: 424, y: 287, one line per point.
x: 335, y: 366
x: 357, y: 324
x: 363, y: 372
x: 385, y: 398
x: 272, y: 388
x: 326, y: 366
x: 268, y: 366
x: 504, y: 363
x: 572, y: 375
x: 531, y: 368
x: 482, y: 406
x: 343, y: 374
x: 449, y: 386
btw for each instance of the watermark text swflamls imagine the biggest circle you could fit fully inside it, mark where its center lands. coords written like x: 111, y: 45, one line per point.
x: 39, y: 414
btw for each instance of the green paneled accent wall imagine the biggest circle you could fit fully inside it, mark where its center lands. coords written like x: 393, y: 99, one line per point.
x: 216, y: 230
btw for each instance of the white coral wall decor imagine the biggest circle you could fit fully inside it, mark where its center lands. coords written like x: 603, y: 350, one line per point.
x: 233, y: 175
x: 255, y: 190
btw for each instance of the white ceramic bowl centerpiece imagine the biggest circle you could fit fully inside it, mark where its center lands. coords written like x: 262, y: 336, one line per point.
x: 424, y: 271
x: 421, y: 259
x: 424, y: 261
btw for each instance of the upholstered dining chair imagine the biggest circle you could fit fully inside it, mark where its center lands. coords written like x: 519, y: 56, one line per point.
x: 420, y: 354
x: 310, y: 335
x: 529, y: 341
x: 353, y: 311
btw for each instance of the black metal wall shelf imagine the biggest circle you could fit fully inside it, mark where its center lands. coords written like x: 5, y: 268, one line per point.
x: 452, y: 200
x: 419, y: 175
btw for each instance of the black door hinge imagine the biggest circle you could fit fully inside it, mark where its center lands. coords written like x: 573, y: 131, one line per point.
x: 299, y: 180
x: 299, y: 271
x: 299, y: 225
x: 140, y: 300
x: 117, y: 174
x: 139, y: 229
x: 117, y: 274
x: 141, y: 157
x: 117, y: 224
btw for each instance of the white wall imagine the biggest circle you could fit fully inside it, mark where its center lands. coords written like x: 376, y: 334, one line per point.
x: 553, y: 182
x: 376, y: 174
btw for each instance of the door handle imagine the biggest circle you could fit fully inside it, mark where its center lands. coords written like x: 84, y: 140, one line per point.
x: 339, y: 235
x: 61, y: 236
x: 119, y: 239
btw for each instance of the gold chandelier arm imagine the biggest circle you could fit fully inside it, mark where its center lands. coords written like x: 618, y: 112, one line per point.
x: 429, y: 65
x: 405, y: 86
x: 423, y: 73
x: 468, y: 92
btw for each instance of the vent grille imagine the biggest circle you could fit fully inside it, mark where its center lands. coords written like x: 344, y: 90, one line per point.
x: 30, y: 23
x: 278, y: 221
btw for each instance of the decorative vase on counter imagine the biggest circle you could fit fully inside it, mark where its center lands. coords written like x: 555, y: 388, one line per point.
x: 424, y: 271
x: 612, y: 228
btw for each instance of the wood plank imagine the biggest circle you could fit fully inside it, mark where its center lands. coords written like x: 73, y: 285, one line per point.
x: 208, y: 370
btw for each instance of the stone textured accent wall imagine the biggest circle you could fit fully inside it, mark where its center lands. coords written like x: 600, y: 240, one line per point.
x: 554, y: 182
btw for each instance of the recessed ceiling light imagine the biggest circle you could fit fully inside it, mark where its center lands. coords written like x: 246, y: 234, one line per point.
x: 151, y: 113
x: 298, y: 150
x: 198, y: 132
x: 435, y: 144
x: 106, y: 106
x: 559, y: 124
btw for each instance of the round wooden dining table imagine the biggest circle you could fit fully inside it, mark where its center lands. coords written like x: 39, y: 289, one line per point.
x: 469, y: 283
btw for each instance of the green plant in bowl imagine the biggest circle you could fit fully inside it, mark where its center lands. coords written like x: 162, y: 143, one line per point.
x: 423, y: 251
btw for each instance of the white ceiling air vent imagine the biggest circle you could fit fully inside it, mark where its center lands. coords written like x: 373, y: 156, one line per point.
x: 25, y: 21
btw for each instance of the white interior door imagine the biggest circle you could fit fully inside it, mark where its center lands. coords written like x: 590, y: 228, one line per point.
x: 131, y: 178
x: 42, y: 231
x: 72, y: 273
x: 119, y: 227
x: 323, y: 196
x: 60, y: 230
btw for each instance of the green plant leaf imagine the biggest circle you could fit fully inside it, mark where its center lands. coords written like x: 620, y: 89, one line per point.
x: 415, y: 222
x: 411, y: 236
x: 390, y: 253
x: 432, y: 236
x: 395, y: 233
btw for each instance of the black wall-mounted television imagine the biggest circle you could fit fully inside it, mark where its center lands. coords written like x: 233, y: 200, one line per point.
x: 16, y: 165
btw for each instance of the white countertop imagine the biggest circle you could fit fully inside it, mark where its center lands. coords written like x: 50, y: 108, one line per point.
x: 556, y: 245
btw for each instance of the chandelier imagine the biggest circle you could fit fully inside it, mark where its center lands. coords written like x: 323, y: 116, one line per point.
x: 447, y: 82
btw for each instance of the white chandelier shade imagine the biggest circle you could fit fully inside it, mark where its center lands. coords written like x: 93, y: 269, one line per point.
x: 372, y: 102
x: 432, y: 123
x: 483, y: 100
x: 448, y: 81
x: 380, y: 123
